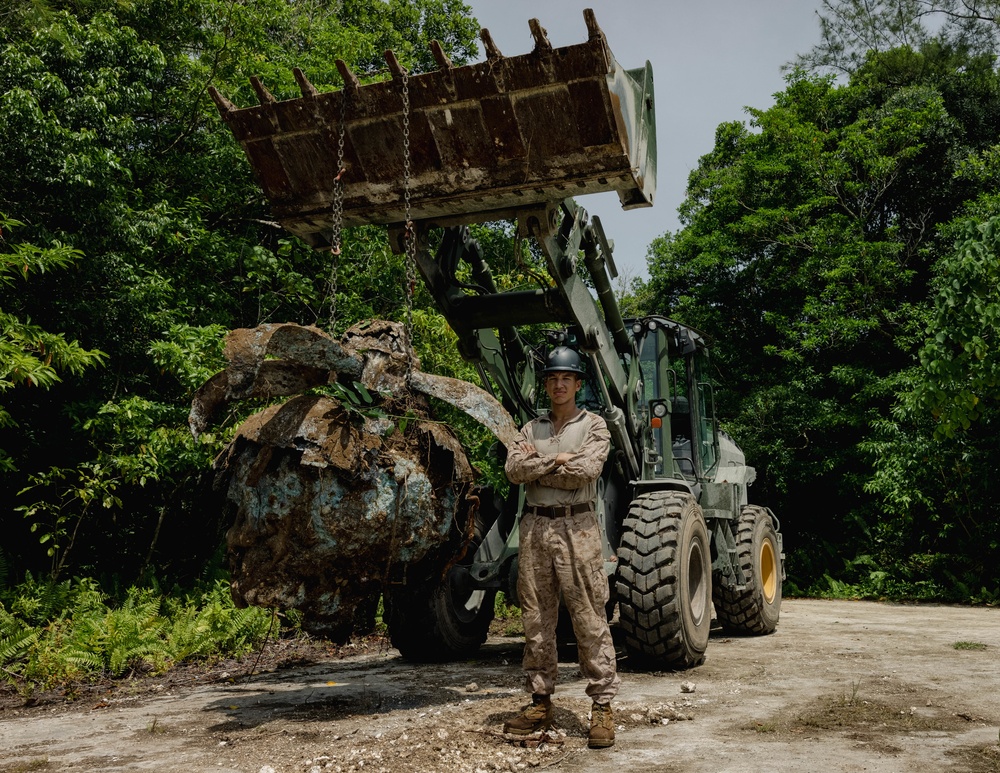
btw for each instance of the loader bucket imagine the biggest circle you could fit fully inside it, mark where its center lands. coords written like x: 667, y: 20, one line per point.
x: 485, y: 140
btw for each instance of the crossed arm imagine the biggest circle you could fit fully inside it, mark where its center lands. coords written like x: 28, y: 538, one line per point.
x: 563, y: 470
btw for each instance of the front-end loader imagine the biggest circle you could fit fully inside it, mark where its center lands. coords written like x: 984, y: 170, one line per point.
x: 521, y: 139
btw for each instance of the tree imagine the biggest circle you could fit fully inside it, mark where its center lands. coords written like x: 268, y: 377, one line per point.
x: 29, y: 355
x: 935, y: 453
x: 853, y: 32
x: 809, y: 246
x: 960, y: 362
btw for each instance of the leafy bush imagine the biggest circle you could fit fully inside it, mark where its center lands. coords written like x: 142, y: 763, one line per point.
x: 917, y: 577
x: 210, y: 625
x: 52, y: 633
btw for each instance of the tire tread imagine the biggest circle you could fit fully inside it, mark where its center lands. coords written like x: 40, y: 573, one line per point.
x: 646, y: 582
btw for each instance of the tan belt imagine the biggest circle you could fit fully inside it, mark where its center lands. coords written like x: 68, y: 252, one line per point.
x: 559, y: 511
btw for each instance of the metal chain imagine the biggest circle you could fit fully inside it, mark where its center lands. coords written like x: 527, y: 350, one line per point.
x: 337, y: 215
x: 409, y: 245
x: 410, y: 236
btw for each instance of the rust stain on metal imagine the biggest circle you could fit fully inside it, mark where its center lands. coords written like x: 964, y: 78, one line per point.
x: 305, y: 357
x: 485, y: 139
x: 469, y: 398
x: 328, y: 502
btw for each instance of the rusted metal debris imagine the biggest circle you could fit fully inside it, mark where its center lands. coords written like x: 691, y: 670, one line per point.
x: 485, y: 139
x: 328, y: 502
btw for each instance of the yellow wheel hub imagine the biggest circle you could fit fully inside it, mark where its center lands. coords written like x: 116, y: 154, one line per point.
x: 768, y: 571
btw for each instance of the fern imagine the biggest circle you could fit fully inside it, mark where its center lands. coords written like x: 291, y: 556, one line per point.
x: 84, y: 660
x: 48, y: 663
x: 56, y: 632
x: 123, y: 639
x: 190, y: 636
x: 213, y: 625
x: 16, y: 639
x: 38, y: 602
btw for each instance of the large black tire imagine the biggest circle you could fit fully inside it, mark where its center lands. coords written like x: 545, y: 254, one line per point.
x: 664, y: 580
x: 442, y: 622
x: 754, y: 609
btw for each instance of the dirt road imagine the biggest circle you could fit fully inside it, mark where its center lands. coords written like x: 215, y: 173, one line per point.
x: 841, y: 687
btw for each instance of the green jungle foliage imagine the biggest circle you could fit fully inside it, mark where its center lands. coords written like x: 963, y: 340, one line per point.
x: 55, y: 633
x: 840, y: 251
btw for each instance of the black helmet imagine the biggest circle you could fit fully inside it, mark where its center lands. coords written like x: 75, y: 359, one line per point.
x: 562, y: 358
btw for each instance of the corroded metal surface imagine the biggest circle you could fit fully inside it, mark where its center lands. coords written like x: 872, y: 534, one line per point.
x: 327, y: 501
x: 470, y: 399
x: 485, y: 139
x: 326, y: 507
x: 305, y: 357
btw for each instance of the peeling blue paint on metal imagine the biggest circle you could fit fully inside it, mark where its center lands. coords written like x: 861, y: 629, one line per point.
x: 324, y: 507
x: 326, y: 501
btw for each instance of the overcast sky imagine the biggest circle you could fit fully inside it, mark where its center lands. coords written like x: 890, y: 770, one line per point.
x: 710, y: 58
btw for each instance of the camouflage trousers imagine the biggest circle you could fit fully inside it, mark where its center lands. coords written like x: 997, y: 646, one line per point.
x: 561, y: 558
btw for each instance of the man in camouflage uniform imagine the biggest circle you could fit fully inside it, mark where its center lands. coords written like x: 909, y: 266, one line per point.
x: 560, y: 456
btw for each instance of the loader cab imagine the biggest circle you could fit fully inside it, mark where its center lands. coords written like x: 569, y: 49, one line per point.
x: 676, y: 402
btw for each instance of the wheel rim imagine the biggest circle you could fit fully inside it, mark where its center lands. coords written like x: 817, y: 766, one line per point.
x: 768, y: 571
x: 465, y: 600
x: 472, y: 605
x: 697, y: 590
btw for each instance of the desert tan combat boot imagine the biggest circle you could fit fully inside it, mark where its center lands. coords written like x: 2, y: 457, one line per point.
x: 538, y: 716
x: 602, y: 726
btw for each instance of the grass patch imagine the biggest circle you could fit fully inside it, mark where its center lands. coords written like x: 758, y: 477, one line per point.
x: 512, y: 628
x: 506, y: 618
x: 968, y: 645
x: 845, y: 713
x: 857, y: 714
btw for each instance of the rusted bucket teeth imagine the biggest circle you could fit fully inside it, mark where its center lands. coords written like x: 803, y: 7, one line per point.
x: 485, y: 140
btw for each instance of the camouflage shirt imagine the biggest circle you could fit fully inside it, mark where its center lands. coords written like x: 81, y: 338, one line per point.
x: 532, y: 459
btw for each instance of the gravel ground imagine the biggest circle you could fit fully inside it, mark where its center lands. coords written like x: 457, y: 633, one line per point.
x: 841, y: 687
